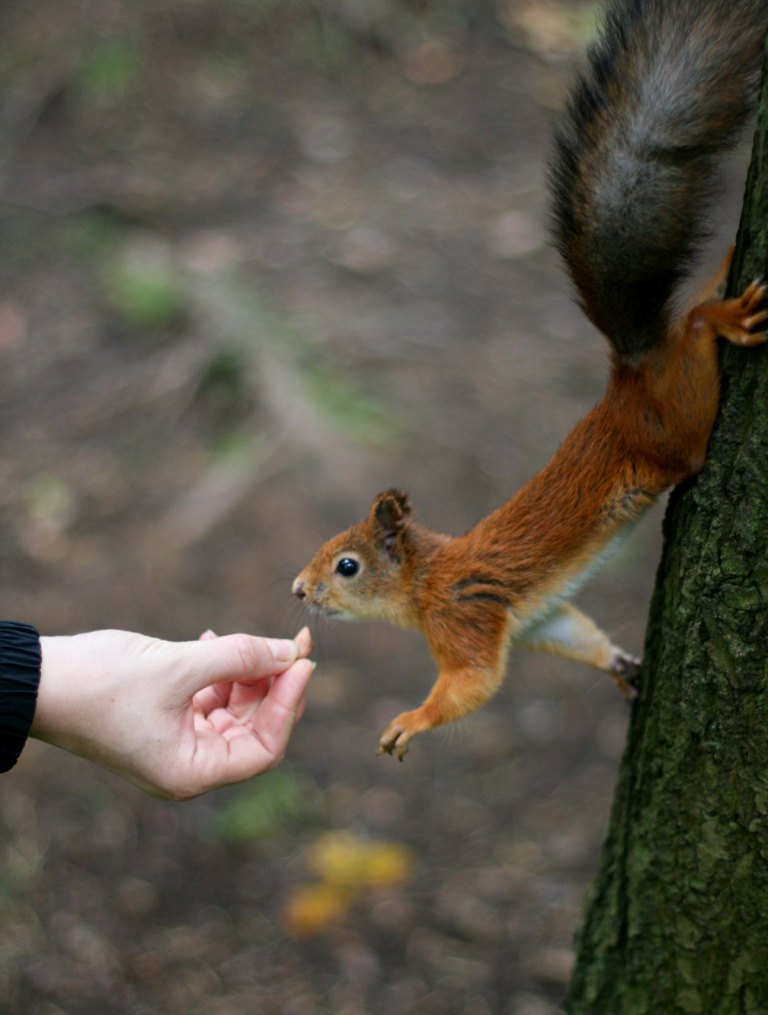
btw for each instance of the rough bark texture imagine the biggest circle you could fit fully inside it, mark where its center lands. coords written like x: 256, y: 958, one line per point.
x: 678, y: 918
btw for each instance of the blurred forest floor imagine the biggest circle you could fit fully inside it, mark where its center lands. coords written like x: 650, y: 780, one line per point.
x: 260, y: 260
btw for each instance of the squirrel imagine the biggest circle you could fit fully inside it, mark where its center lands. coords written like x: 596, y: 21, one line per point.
x: 668, y: 85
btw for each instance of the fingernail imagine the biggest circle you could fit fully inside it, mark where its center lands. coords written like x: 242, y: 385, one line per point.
x: 282, y: 650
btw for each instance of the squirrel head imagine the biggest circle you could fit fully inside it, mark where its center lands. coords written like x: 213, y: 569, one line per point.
x: 359, y: 573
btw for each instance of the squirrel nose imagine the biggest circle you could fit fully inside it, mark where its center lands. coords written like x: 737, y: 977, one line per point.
x: 298, y: 589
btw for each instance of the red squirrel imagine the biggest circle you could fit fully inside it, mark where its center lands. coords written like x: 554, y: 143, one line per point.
x: 667, y: 87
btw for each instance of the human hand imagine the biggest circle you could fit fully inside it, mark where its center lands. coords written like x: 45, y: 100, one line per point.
x: 176, y: 718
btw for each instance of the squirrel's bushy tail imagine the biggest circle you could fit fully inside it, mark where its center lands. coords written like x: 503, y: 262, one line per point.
x: 668, y: 86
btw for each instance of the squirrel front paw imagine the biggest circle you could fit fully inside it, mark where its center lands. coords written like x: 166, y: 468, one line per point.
x: 395, y: 738
x: 739, y: 319
x: 749, y: 313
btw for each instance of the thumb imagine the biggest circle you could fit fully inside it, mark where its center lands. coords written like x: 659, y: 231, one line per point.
x: 234, y: 657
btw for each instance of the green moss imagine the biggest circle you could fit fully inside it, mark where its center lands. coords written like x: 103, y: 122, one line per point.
x: 111, y: 67
x: 280, y: 799
x: 144, y: 295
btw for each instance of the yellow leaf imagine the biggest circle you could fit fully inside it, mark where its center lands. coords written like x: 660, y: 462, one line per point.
x: 313, y: 909
x: 388, y: 863
x: 342, y: 859
x: 339, y: 858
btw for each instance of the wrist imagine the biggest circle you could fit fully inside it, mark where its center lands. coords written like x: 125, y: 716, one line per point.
x: 56, y: 695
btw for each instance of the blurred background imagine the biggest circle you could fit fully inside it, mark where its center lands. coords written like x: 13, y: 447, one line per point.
x: 259, y: 260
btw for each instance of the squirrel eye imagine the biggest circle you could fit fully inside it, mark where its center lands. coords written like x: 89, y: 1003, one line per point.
x: 347, y: 567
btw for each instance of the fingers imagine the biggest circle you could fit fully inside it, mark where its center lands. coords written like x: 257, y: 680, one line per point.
x: 259, y: 743
x: 284, y: 697
x: 283, y: 693
x: 250, y: 708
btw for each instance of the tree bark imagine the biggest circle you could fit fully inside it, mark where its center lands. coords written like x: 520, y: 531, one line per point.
x: 678, y: 917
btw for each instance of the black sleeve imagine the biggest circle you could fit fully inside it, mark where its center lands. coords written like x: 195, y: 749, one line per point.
x: 20, y: 660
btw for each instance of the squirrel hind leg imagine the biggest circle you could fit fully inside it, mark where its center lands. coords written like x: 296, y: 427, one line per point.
x: 568, y: 632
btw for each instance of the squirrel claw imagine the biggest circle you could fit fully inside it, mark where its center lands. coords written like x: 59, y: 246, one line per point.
x: 395, y: 739
x: 399, y: 750
x: 625, y: 671
x: 398, y: 747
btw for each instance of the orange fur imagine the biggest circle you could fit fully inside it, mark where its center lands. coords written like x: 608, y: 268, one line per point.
x: 505, y: 580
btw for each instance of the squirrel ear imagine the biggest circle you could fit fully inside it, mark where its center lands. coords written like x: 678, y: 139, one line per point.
x: 389, y: 517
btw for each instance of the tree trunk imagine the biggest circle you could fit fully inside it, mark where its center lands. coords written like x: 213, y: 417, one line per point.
x: 678, y: 917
